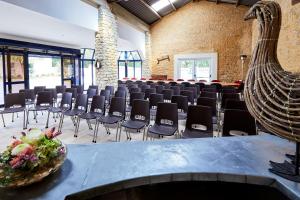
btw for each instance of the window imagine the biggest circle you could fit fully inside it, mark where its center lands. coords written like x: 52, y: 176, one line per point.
x: 129, y: 65
x: 87, y: 65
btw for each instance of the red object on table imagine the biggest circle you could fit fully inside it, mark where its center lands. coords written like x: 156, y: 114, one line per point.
x: 143, y: 79
x: 202, y: 81
x: 133, y: 79
x: 215, y: 81
x: 180, y: 79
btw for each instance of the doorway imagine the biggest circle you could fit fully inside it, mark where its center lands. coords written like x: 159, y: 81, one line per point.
x: 196, y: 66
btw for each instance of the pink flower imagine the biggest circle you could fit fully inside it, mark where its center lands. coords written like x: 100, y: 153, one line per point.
x: 51, y: 133
x: 16, y: 162
x: 16, y: 143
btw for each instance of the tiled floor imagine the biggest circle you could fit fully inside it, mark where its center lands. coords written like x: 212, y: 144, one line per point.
x: 85, y: 135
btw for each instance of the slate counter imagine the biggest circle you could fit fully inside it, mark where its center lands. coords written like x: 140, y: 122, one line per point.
x: 232, y: 159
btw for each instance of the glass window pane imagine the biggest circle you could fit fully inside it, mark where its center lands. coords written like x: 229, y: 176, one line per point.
x: 15, y: 88
x: 122, y: 55
x: 138, y: 70
x: 17, y: 68
x: 186, y: 69
x: 136, y: 55
x: 122, y: 70
x: 89, y: 53
x: 87, y: 70
x: 202, y: 68
x: 68, y: 68
x: 44, y: 71
x: 1, y: 81
x: 130, y: 70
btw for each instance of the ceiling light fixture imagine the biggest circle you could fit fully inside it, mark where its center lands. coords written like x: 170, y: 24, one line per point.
x: 161, y: 4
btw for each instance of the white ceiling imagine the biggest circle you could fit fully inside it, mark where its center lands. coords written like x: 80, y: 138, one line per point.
x: 18, y: 22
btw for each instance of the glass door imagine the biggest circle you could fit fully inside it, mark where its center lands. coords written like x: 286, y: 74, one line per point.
x: 68, y: 69
x: 197, y: 69
x: 15, y: 72
x: 1, y: 80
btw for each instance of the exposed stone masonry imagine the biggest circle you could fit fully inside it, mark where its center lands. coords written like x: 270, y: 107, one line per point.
x: 146, y: 73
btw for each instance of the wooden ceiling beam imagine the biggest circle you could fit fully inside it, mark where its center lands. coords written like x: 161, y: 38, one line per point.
x: 237, y: 3
x: 150, y: 8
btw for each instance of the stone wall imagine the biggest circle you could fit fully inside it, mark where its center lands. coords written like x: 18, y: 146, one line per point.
x: 147, y: 62
x: 201, y: 27
x: 289, y: 40
x: 106, y: 48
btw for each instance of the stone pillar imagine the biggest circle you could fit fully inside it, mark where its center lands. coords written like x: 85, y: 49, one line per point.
x: 147, y: 62
x: 106, y: 48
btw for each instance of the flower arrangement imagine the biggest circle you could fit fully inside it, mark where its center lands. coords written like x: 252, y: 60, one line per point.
x: 31, y: 158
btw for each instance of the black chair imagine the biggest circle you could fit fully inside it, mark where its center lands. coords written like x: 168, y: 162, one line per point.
x: 54, y: 94
x: 189, y: 94
x: 134, y: 96
x: 218, y: 86
x: 176, y: 90
x: 144, y: 87
x: 149, y: 82
x: 38, y: 89
x: 14, y: 103
x: 167, y: 86
x: 106, y: 94
x: 182, y: 105
x: 149, y: 91
x: 159, y: 89
x: 201, y: 85
x: 173, y: 83
x: 65, y: 104
x: 73, y: 91
x: 199, y: 122
x: 97, y: 110
x: 194, y: 90
x: 120, y: 93
x: 116, y: 114
x: 229, y: 90
x: 79, y: 88
x: 60, y: 89
x: 212, y: 103
x: 91, y: 92
x: 212, y: 95
x: 44, y: 101
x: 29, y: 96
x: 139, y: 118
x: 94, y: 87
x: 166, y: 121
x: 153, y: 85
x: 161, y: 83
x: 135, y: 90
x: 235, y: 104
x: 154, y: 100
x: 79, y: 108
x: 111, y: 89
x: 226, y: 96
x: 238, y: 120
x: 167, y: 93
x: 186, y: 84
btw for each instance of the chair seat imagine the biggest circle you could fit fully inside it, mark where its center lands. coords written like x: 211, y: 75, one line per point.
x: 12, y: 110
x: 90, y: 115
x: 54, y: 109
x: 38, y: 108
x: 164, y: 130
x: 110, y: 119
x: 134, y: 124
x: 196, y: 134
x: 73, y: 112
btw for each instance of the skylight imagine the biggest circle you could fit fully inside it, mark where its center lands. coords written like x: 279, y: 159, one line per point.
x: 161, y: 4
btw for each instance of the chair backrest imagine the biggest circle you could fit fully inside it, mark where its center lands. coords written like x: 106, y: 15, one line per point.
x: 181, y: 101
x: 140, y: 108
x: 120, y: 93
x: 189, y: 94
x: 186, y: 84
x: 91, y: 92
x: 149, y: 91
x: 153, y: 85
x: 134, y: 90
x: 161, y: 83
x: 238, y: 120
x: 98, y: 103
x: 134, y: 96
x: 95, y: 87
x: 73, y: 91
x: 155, y: 99
x: 172, y: 83
x: 209, y: 90
x: 44, y: 97
x: 209, y: 95
x: 168, y: 93
x: 149, y: 82
x: 110, y: 88
x: 122, y: 88
x: 167, y: 86
x: 176, y: 90
x: 105, y: 93
x: 14, y: 99
x: 167, y: 112
x: 229, y: 90
x: 38, y: 89
x: 81, y: 102
x: 53, y: 91
x: 29, y: 94
x: 235, y: 104
x: 199, y: 115
x: 60, y: 88
x: 144, y: 87
x: 201, y: 85
x: 66, y: 100
x: 79, y: 88
x: 226, y: 96
x: 194, y: 90
x: 218, y: 86
x: 159, y: 89
x: 117, y: 105
x: 210, y: 102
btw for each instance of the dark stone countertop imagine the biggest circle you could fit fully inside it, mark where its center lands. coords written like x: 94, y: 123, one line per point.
x: 231, y: 159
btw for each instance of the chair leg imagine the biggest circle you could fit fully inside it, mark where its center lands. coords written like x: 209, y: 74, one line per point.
x: 12, y: 117
x: 24, y: 120
x: 47, y: 122
x: 3, y: 120
x: 89, y: 124
x: 61, y: 122
x: 119, y: 127
x: 77, y: 127
x: 144, y: 134
x: 27, y: 121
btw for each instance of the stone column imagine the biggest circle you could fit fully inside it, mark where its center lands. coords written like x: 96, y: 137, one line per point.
x: 147, y: 62
x: 106, y: 48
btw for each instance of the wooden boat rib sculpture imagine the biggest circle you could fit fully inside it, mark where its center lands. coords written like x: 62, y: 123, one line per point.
x: 272, y: 95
